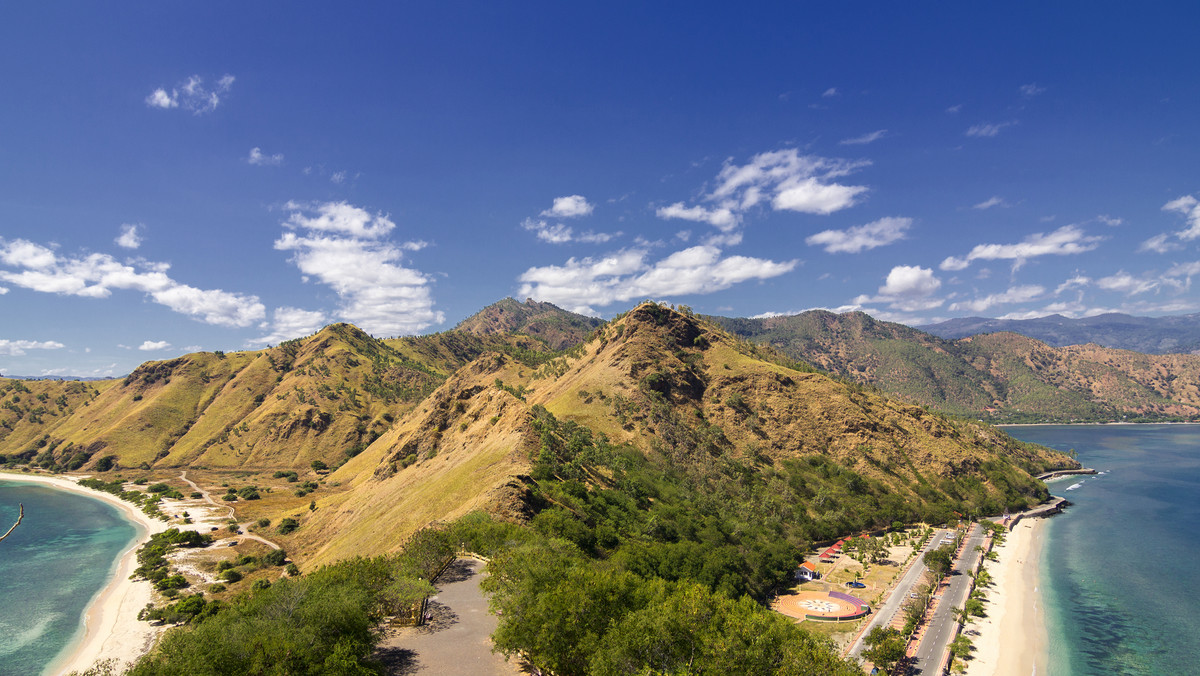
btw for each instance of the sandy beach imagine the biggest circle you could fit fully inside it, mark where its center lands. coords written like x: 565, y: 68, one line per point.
x: 1012, y: 639
x: 111, y: 627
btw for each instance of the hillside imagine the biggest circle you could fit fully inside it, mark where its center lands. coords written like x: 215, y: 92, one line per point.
x: 324, y: 397
x: 685, y: 399
x: 1004, y: 377
x: 549, y: 323
x: 1150, y: 335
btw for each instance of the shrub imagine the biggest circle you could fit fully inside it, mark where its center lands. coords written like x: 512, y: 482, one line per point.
x: 231, y: 576
x: 287, y: 525
x: 275, y: 557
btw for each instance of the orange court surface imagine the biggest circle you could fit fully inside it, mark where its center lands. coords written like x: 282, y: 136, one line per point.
x: 817, y: 605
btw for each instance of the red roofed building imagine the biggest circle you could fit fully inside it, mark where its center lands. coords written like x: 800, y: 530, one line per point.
x: 807, y: 571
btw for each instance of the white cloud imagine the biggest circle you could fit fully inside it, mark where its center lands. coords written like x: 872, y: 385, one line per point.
x: 988, y: 130
x: 830, y: 93
x: 1110, y: 220
x: 159, y: 98
x: 339, y: 218
x: 955, y: 109
x: 571, y: 206
x: 908, y: 288
x: 875, y: 234
x: 258, y: 158
x: 289, y: 323
x: 1184, y: 270
x: 192, y: 95
x: 342, y: 248
x: 1078, y: 281
x: 338, y: 177
x: 1065, y: 241
x: 561, y: 234
x: 129, y: 237
x: 991, y: 202
x: 1016, y: 294
x: 1160, y: 244
x: 1031, y: 90
x: 785, y: 179
x: 1123, y: 282
x: 1190, y: 207
x: 97, y: 275
x: 628, y: 275
x: 150, y: 345
x: 16, y: 348
x: 722, y: 218
x: 864, y: 139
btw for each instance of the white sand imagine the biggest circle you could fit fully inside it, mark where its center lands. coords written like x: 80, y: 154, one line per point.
x: 111, y: 628
x: 1012, y: 639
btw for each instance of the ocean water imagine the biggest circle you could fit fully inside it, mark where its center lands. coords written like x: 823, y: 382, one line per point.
x: 60, y: 557
x: 1121, y: 567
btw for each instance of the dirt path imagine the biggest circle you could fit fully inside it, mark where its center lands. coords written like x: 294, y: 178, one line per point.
x: 244, y: 526
x: 457, y: 640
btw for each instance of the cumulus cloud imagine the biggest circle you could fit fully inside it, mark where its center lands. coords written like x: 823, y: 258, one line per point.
x: 289, y: 322
x: 864, y: 139
x: 628, y: 274
x: 722, y: 217
x: 561, y: 234
x: 988, y: 130
x: 16, y: 348
x: 1189, y: 206
x: 784, y: 179
x: 1031, y: 90
x: 259, y: 158
x: 1160, y: 243
x: 1123, y: 282
x: 875, y: 234
x: 129, y: 238
x: 908, y: 288
x: 571, y: 206
x: 150, y: 345
x: 955, y: 109
x: 990, y: 202
x: 342, y: 246
x: 192, y: 94
x: 830, y: 93
x: 97, y: 275
x: 1016, y: 294
x: 1065, y: 241
x: 1078, y: 281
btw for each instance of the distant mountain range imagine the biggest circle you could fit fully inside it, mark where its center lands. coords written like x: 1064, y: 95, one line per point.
x: 1150, y: 335
x: 1001, y: 377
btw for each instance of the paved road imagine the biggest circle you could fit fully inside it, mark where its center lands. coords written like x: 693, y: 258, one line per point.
x: 941, y: 628
x: 457, y: 640
x: 883, y: 615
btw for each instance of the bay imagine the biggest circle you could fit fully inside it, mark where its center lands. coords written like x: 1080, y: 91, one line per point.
x: 1118, y: 571
x: 58, y: 559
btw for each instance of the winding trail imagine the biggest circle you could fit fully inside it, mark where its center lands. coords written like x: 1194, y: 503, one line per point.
x: 245, y: 527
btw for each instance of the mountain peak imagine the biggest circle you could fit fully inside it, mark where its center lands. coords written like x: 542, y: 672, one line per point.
x: 547, y: 322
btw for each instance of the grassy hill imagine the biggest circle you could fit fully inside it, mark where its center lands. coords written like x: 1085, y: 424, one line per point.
x: 681, y: 397
x: 1003, y: 377
x: 549, y: 323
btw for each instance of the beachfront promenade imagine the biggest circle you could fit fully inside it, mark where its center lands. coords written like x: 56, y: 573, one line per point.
x: 942, y: 628
x: 885, y: 614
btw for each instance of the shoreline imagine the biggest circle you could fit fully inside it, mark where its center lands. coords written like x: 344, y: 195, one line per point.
x: 1013, y: 639
x: 111, y: 629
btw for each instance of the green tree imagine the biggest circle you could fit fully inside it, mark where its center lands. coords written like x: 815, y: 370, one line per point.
x: 885, y: 648
x: 940, y: 560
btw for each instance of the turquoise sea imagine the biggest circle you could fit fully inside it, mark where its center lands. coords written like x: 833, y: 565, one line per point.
x: 51, y: 567
x: 1121, y: 567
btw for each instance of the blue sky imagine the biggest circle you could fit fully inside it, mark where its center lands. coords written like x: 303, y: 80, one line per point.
x: 183, y: 176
